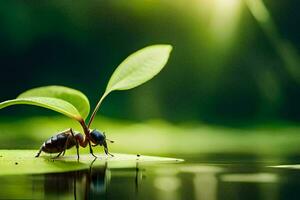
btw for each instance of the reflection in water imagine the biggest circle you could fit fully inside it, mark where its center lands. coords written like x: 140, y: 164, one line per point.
x: 256, y: 178
x: 257, y: 185
x: 158, y: 182
x: 88, y: 184
x: 168, y: 187
x: 204, y: 179
x: 96, y: 181
x: 205, y: 186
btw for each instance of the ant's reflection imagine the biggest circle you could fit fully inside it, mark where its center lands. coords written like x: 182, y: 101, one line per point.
x: 96, y: 181
x: 89, y: 184
x: 138, y: 177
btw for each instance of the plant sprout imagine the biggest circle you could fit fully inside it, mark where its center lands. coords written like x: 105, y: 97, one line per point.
x: 135, y: 70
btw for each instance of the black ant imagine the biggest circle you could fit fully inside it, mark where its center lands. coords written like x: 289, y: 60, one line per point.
x: 67, y: 139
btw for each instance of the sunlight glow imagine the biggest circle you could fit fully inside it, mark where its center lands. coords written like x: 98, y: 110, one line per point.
x: 258, y: 10
x: 285, y: 49
x: 224, y: 19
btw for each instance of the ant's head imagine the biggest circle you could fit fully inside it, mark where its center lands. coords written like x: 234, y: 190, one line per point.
x: 98, y: 137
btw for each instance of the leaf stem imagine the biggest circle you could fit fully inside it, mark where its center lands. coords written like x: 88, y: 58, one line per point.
x: 96, y: 109
x: 85, y: 128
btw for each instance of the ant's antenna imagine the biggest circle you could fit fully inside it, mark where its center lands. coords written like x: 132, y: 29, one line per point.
x: 111, y: 141
x: 96, y: 109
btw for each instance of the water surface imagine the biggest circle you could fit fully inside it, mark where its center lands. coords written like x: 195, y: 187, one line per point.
x: 211, y: 178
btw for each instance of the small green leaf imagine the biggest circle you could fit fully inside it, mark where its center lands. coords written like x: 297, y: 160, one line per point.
x: 23, y: 162
x: 57, y: 105
x: 74, y: 97
x: 139, y: 67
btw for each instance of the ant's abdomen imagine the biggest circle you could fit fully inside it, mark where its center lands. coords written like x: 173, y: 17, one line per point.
x: 57, y: 143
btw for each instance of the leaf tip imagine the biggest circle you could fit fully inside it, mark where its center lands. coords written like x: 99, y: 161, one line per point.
x: 167, y: 47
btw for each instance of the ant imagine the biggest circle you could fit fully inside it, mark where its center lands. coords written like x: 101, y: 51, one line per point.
x: 67, y: 139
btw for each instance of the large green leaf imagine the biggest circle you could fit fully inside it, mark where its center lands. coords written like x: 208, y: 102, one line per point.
x: 55, y: 104
x: 139, y: 67
x: 75, y: 97
x: 24, y: 162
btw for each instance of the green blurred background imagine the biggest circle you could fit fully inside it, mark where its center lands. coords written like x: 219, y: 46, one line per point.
x: 223, y: 66
x: 234, y: 61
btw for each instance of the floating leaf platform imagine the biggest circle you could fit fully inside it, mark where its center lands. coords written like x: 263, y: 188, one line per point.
x: 24, y: 162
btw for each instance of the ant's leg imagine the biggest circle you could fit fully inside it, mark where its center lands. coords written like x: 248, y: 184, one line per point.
x: 107, y: 153
x: 64, y: 149
x: 67, y: 141
x: 58, y: 155
x: 110, y: 154
x: 77, y: 146
x: 77, y: 151
x: 64, y: 152
x: 91, y: 150
x: 106, y: 149
x: 40, y: 151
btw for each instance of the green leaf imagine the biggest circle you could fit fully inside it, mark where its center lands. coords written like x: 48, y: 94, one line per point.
x: 24, y: 162
x: 135, y: 70
x: 139, y: 67
x: 55, y: 104
x: 74, y: 97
